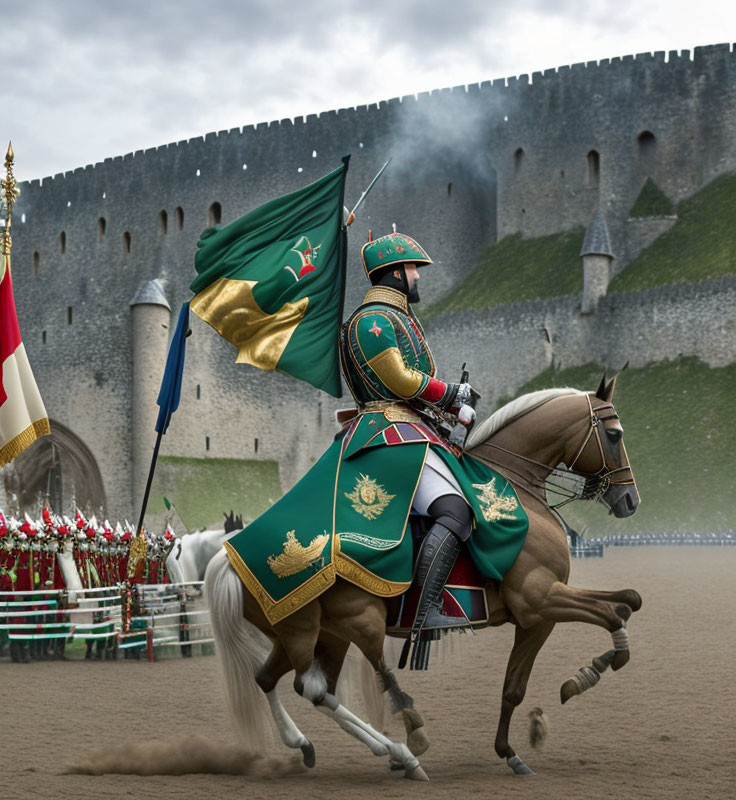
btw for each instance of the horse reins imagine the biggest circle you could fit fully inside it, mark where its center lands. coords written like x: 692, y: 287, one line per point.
x: 596, y: 484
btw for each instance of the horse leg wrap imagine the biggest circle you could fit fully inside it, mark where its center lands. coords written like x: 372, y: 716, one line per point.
x: 518, y: 766
x: 378, y: 743
x: 290, y: 735
x: 620, y: 638
x: 586, y: 678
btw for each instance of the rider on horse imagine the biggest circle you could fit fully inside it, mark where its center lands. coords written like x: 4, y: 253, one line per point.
x: 387, y: 365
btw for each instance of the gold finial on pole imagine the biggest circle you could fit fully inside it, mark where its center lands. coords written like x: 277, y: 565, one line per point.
x: 9, y: 193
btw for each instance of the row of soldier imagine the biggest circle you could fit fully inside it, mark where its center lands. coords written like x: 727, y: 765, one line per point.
x: 39, y: 558
x: 718, y: 539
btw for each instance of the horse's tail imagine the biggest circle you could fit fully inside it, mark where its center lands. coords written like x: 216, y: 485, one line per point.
x: 242, y: 648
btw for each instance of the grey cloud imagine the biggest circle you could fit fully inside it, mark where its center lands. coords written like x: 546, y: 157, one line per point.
x: 94, y: 79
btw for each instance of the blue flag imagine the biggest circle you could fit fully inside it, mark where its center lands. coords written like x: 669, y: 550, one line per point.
x: 168, y: 396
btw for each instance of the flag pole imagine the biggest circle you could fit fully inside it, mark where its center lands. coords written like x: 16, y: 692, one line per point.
x: 147, y: 493
x: 9, y: 193
x: 351, y: 216
x: 168, y: 401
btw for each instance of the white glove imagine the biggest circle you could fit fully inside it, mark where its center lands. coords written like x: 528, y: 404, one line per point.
x: 466, y: 415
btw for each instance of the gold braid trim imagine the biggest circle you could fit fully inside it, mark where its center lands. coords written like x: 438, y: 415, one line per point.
x: 384, y: 294
x: 16, y: 446
x: 276, y: 610
x: 355, y: 573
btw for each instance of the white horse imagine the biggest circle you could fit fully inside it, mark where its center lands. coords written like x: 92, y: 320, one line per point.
x: 190, y: 555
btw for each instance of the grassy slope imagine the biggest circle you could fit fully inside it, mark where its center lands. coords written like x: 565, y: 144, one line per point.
x: 700, y: 245
x: 652, y: 202
x: 203, y: 488
x: 517, y: 269
x: 680, y: 435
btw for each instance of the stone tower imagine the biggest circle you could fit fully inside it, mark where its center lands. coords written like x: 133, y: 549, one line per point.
x: 597, y: 258
x: 150, y: 319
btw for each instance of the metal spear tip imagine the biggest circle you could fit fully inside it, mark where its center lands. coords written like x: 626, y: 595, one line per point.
x: 10, y: 155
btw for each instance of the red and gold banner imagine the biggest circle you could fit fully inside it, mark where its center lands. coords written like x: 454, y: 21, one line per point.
x: 22, y: 414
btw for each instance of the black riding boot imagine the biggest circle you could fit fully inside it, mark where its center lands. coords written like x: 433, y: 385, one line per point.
x: 437, y: 557
x: 439, y: 551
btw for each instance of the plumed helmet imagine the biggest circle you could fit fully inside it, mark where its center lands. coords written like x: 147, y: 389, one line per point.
x: 392, y: 249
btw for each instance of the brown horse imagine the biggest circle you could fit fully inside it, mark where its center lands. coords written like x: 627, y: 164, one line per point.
x: 525, y: 441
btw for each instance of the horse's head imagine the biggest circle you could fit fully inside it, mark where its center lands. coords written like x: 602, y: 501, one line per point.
x: 602, y: 455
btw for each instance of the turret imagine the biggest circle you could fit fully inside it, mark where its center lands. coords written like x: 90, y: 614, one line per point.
x: 597, y: 257
x: 150, y: 317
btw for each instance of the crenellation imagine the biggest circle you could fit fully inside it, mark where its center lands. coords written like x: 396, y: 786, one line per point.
x: 566, y: 113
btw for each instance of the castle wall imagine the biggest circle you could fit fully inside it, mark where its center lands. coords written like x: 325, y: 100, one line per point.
x: 470, y: 164
x: 509, y: 345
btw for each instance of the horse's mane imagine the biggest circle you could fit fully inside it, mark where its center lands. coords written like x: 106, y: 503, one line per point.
x: 513, y: 410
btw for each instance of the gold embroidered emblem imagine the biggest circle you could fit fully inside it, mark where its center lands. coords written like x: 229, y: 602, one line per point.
x: 368, y: 497
x: 493, y: 505
x: 295, y: 557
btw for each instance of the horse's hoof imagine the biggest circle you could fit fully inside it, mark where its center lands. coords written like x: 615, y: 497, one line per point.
x: 416, y: 774
x: 568, y: 689
x: 417, y: 742
x: 632, y: 599
x: 620, y: 659
x: 518, y: 766
x: 308, y: 754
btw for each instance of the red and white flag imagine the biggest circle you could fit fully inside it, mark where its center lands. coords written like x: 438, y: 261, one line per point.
x: 22, y: 414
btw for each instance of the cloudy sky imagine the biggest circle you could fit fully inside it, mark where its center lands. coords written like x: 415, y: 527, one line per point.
x: 87, y: 79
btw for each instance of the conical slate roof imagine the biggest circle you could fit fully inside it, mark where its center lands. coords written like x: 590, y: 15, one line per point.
x: 150, y: 293
x: 597, y: 239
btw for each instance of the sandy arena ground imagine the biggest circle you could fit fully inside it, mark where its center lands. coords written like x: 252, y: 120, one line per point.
x: 664, y: 726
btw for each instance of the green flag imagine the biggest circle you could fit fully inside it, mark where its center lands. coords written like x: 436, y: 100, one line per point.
x: 272, y: 282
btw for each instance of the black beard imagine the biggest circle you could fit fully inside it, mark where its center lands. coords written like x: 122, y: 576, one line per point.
x: 387, y: 278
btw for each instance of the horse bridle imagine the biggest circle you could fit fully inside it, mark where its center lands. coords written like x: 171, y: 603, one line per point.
x: 598, y: 483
